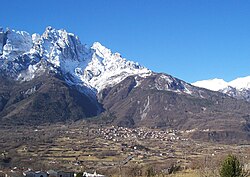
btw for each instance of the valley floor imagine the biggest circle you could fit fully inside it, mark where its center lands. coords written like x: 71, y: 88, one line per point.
x: 112, y: 150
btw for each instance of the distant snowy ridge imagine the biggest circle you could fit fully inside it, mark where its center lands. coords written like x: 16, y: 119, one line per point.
x: 238, y: 88
x: 212, y: 84
x: 219, y: 84
x: 24, y: 56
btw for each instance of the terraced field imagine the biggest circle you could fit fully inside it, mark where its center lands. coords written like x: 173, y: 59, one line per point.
x: 111, y: 150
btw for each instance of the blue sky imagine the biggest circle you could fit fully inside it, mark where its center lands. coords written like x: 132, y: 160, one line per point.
x: 189, y: 39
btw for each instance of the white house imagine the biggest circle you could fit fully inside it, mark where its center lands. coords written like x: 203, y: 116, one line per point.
x: 85, y: 174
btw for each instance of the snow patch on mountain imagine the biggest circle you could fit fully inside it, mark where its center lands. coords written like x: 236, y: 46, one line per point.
x: 170, y: 83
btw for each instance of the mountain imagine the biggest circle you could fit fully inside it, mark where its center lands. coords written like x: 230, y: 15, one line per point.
x: 238, y: 88
x: 54, y: 77
x: 23, y: 57
x: 73, y: 67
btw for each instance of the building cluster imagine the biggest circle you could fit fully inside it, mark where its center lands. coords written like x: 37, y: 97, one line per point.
x: 50, y: 173
x: 120, y: 133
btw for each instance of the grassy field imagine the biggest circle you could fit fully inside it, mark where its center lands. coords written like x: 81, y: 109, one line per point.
x: 187, y: 173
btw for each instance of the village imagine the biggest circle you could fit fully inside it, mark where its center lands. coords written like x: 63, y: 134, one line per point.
x: 121, y: 133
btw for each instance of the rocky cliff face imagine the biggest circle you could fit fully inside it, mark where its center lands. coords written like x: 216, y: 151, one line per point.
x: 3, y: 38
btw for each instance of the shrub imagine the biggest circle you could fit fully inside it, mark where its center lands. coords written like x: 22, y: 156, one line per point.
x: 231, y: 167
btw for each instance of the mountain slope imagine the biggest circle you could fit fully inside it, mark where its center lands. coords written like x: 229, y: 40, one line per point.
x: 46, y: 99
x: 54, y: 77
x: 202, y: 111
x: 145, y: 101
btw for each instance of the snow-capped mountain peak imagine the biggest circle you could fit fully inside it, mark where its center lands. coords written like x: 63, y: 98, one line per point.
x: 101, y: 50
x: 219, y: 84
x: 96, y: 67
x: 241, y: 83
x: 107, y: 68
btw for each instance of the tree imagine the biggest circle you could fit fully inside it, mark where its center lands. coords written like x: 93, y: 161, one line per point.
x: 231, y: 167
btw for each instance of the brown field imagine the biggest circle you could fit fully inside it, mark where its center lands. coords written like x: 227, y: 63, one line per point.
x: 112, y: 151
